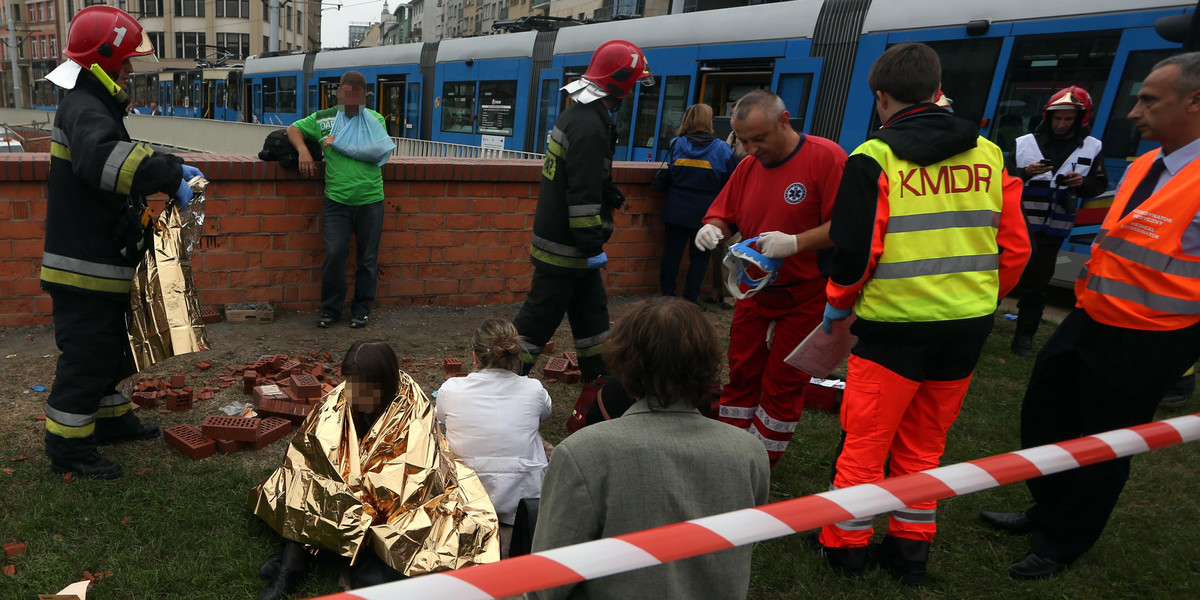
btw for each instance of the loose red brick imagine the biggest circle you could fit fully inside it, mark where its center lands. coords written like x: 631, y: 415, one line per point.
x: 290, y: 367
x: 223, y: 427
x: 548, y: 348
x: 188, y: 440
x: 209, y: 315
x: 231, y: 446
x: 305, y: 385
x: 556, y: 367
x: 572, y: 360
x: 12, y: 549
x: 249, y: 380
x: 178, y: 381
x: 269, y: 392
x: 204, y: 366
x: 10, y: 569
x: 20, y: 458
x: 452, y: 365
x: 271, y: 430
x: 281, y: 408
x: 178, y: 400
x: 146, y: 399
x: 573, y: 377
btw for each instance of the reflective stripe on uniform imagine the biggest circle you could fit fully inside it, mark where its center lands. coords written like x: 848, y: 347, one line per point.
x: 775, y: 424
x: 736, y: 412
x: 591, y: 346
x: 771, y: 445
x: 937, y: 266
x: 584, y: 216
x: 857, y: 524
x: 698, y: 163
x: 557, y: 248
x: 113, y: 405
x: 84, y: 274
x: 1150, y: 259
x: 69, y: 425
x: 915, y: 515
x: 1133, y: 293
x: 122, y: 163
x: 926, y: 222
x: 556, y: 260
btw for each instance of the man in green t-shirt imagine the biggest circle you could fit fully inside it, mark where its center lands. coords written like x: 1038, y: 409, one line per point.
x: 353, y: 205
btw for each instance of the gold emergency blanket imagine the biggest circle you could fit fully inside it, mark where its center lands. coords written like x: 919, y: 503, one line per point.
x: 164, y: 315
x: 401, y: 490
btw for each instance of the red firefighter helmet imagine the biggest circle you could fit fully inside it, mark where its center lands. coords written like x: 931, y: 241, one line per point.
x: 1070, y: 98
x: 617, y: 66
x: 106, y: 36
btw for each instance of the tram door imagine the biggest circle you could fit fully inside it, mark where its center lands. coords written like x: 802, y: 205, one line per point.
x: 410, y: 125
x: 166, y: 96
x: 549, y: 103
x: 327, y: 93
x: 391, y: 104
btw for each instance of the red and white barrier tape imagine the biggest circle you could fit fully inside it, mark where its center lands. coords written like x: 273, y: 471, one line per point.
x: 640, y: 549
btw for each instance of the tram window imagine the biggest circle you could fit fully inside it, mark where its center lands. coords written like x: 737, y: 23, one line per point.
x: 286, y: 96
x: 675, y: 96
x: 647, y: 119
x: 458, y: 107
x: 268, y: 95
x: 967, y: 70
x: 1039, y: 66
x: 793, y: 89
x: 370, y: 95
x: 1121, y: 138
x: 497, y: 100
x: 233, y: 100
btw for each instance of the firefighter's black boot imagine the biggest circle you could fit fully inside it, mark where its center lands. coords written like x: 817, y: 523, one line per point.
x: 904, y: 559
x: 1027, y: 325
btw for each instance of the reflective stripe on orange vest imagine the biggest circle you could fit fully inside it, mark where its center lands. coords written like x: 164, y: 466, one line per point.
x: 1138, y: 277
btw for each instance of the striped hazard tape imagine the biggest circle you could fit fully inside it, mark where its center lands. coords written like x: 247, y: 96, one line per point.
x: 640, y: 549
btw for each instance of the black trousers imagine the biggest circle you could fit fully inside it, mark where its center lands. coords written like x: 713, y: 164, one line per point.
x: 90, y: 333
x: 582, y: 298
x: 677, y: 239
x: 1035, y: 281
x: 1092, y: 378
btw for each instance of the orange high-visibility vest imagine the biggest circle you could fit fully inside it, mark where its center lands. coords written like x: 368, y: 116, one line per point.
x: 1138, y: 276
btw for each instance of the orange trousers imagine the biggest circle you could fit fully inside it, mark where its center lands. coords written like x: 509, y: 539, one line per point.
x: 887, y: 415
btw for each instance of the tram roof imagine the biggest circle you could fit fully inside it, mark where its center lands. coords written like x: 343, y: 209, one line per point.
x: 508, y: 45
x: 776, y: 21
x: 369, y: 56
x: 274, y: 64
x: 893, y: 15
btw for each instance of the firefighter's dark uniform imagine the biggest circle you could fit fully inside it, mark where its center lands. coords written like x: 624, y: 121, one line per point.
x: 573, y: 220
x: 94, y: 239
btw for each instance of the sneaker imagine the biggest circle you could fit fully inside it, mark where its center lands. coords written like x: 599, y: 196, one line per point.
x: 359, y: 321
x: 326, y: 320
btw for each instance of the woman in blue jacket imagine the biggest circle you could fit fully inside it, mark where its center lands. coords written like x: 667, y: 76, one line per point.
x: 700, y: 165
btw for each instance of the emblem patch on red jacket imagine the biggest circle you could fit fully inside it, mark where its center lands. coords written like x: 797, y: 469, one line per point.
x: 795, y: 193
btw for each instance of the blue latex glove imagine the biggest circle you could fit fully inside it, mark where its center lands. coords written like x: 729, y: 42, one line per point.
x: 598, y: 261
x: 183, y: 194
x: 834, y: 314
x: 190, y: 172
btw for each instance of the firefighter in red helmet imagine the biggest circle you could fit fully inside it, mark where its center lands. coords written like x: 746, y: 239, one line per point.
x: 96, y: 231
x: 1060, y: 164
x: 574, y: 215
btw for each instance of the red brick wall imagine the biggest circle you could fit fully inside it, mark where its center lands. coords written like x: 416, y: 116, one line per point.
x: 456, y: 232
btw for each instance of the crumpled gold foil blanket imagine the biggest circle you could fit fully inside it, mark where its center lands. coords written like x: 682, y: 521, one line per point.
x: 400, y: 490
x: 164, y: 318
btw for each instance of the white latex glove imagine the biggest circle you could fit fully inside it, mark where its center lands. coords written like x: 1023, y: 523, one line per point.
x: 708, y: 237
x: 774, y: 244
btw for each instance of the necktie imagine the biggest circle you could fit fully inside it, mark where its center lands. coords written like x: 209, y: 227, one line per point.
x: 1145, y: 186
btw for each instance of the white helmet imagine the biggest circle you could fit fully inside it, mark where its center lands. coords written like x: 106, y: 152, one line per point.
x: 748, y: 270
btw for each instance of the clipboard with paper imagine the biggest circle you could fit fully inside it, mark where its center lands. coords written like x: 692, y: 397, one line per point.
x: 821, y: 353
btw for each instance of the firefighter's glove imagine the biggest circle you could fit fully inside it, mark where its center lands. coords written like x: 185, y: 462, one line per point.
x: 184, y: 194
x: 774, y: 244
x: 832, y: 314
x: 708, y: 237
x: 598, y: 261
x: 190, y: 172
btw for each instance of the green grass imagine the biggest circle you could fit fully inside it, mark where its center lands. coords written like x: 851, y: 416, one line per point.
x: 190, y: 534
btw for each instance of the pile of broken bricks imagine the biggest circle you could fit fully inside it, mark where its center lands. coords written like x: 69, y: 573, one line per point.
x: 565, y: 369
x: 227, y: 435
x: 12, y: 550
x: 283, y: 389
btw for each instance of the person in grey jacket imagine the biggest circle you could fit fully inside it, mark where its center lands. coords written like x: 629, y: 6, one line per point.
x: 660, y: 463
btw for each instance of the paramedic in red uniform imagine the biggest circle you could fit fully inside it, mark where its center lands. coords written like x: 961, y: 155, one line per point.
x: 1136, y: 326
x: 928, y: 236
x: 785, y: 195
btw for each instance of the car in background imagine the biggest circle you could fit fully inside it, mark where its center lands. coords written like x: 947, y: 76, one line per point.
x: 9, y: 142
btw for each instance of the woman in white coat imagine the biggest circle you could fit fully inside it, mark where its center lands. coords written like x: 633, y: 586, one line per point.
x: 492, y: 418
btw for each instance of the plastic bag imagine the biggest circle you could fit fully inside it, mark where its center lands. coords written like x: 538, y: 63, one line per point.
x: 362, y: 138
